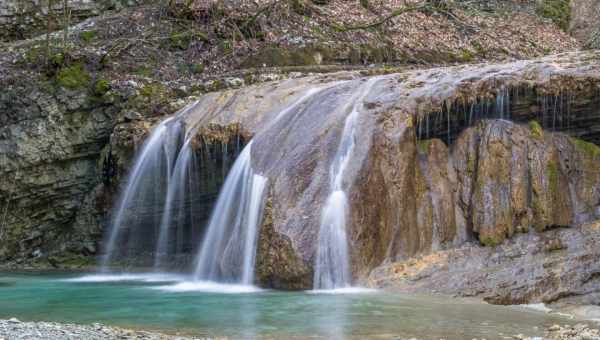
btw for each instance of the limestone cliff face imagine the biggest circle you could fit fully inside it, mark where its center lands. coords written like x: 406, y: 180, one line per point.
x: 437, y: 162
x: 49, y: 149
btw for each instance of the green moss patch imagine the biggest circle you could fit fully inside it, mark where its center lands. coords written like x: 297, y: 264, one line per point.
x: 73, y: 77
x: 536, y: 130
x: 101, y: 87
x: 489, y: 241
x: 589, y: 149
x: 87, y: 36
x: 277, y: 56
x: 423, y: 145
x: 553, y: 177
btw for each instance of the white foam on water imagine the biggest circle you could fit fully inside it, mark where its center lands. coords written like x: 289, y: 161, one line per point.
x: 537, y: 306
x: 144, y: 277
x: 208, y: 287
x: 345, y: 290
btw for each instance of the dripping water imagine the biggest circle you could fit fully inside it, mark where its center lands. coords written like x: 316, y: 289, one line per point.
x: 228, y: 251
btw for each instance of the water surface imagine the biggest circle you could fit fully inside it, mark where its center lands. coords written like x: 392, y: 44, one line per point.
x: 171, y: 303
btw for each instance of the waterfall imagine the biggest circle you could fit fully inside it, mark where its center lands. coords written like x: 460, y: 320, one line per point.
x: 144, y: 191
x: 174, y: 202
x: 332, y: 266
x: 228, y: 250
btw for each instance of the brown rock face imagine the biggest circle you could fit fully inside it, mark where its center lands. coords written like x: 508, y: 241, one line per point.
x: 515, y: 180
x: 277, y: 265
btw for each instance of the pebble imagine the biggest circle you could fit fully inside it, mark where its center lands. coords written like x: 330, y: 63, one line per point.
x: 554, y: 328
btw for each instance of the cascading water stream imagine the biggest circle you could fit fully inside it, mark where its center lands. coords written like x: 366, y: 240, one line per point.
x: 154, y: 163
x: 228, y: 250
x: 174, y: 201
x: 332, y: 266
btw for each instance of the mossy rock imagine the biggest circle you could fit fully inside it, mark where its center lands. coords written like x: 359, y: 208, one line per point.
x: 589, y: 149
x: 277, y: 56
x: 153, y: 97
x: 489, y: 241
x: 536, y: 130
x: 371, y: 54
x: 73, y: 77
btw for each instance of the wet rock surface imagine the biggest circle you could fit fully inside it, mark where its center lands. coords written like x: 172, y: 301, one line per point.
x: 411, y: 195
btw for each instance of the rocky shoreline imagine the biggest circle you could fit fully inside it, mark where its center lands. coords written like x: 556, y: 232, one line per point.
x: 15, y: 329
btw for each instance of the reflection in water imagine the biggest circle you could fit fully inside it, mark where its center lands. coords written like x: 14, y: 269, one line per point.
x: 332, y: 318
x: 249, y: 314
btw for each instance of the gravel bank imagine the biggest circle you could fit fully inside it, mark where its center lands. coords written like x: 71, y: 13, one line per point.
x: 13, y: 329
x: 567, y: 332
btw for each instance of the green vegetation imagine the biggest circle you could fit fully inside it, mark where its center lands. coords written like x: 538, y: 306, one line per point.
x: 87, y: 36
x: 470, y: 165
x: 216, y: 85
x: 423, y: 145
x: 152, y: 97
x: 58, y: 59
x: 536, y: 130
x: 73, y: 77
x: 489, y: 241
x: 276, y: 56
x: 466, y: 56
x: 143, y: 71
x: 101, y: 87
x: 182, y: 40
x: 553, y: 177
x: 559, y: 11
x: 589, y: 149
x: 197, y: 68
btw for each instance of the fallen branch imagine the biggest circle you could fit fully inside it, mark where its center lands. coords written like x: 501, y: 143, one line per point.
x: 381, y: 21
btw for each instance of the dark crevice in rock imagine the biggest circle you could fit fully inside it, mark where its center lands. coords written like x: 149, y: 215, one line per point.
x: 573, y: 111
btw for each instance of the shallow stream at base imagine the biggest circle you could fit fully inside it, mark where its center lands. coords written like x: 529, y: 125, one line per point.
x: 171, y: 303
